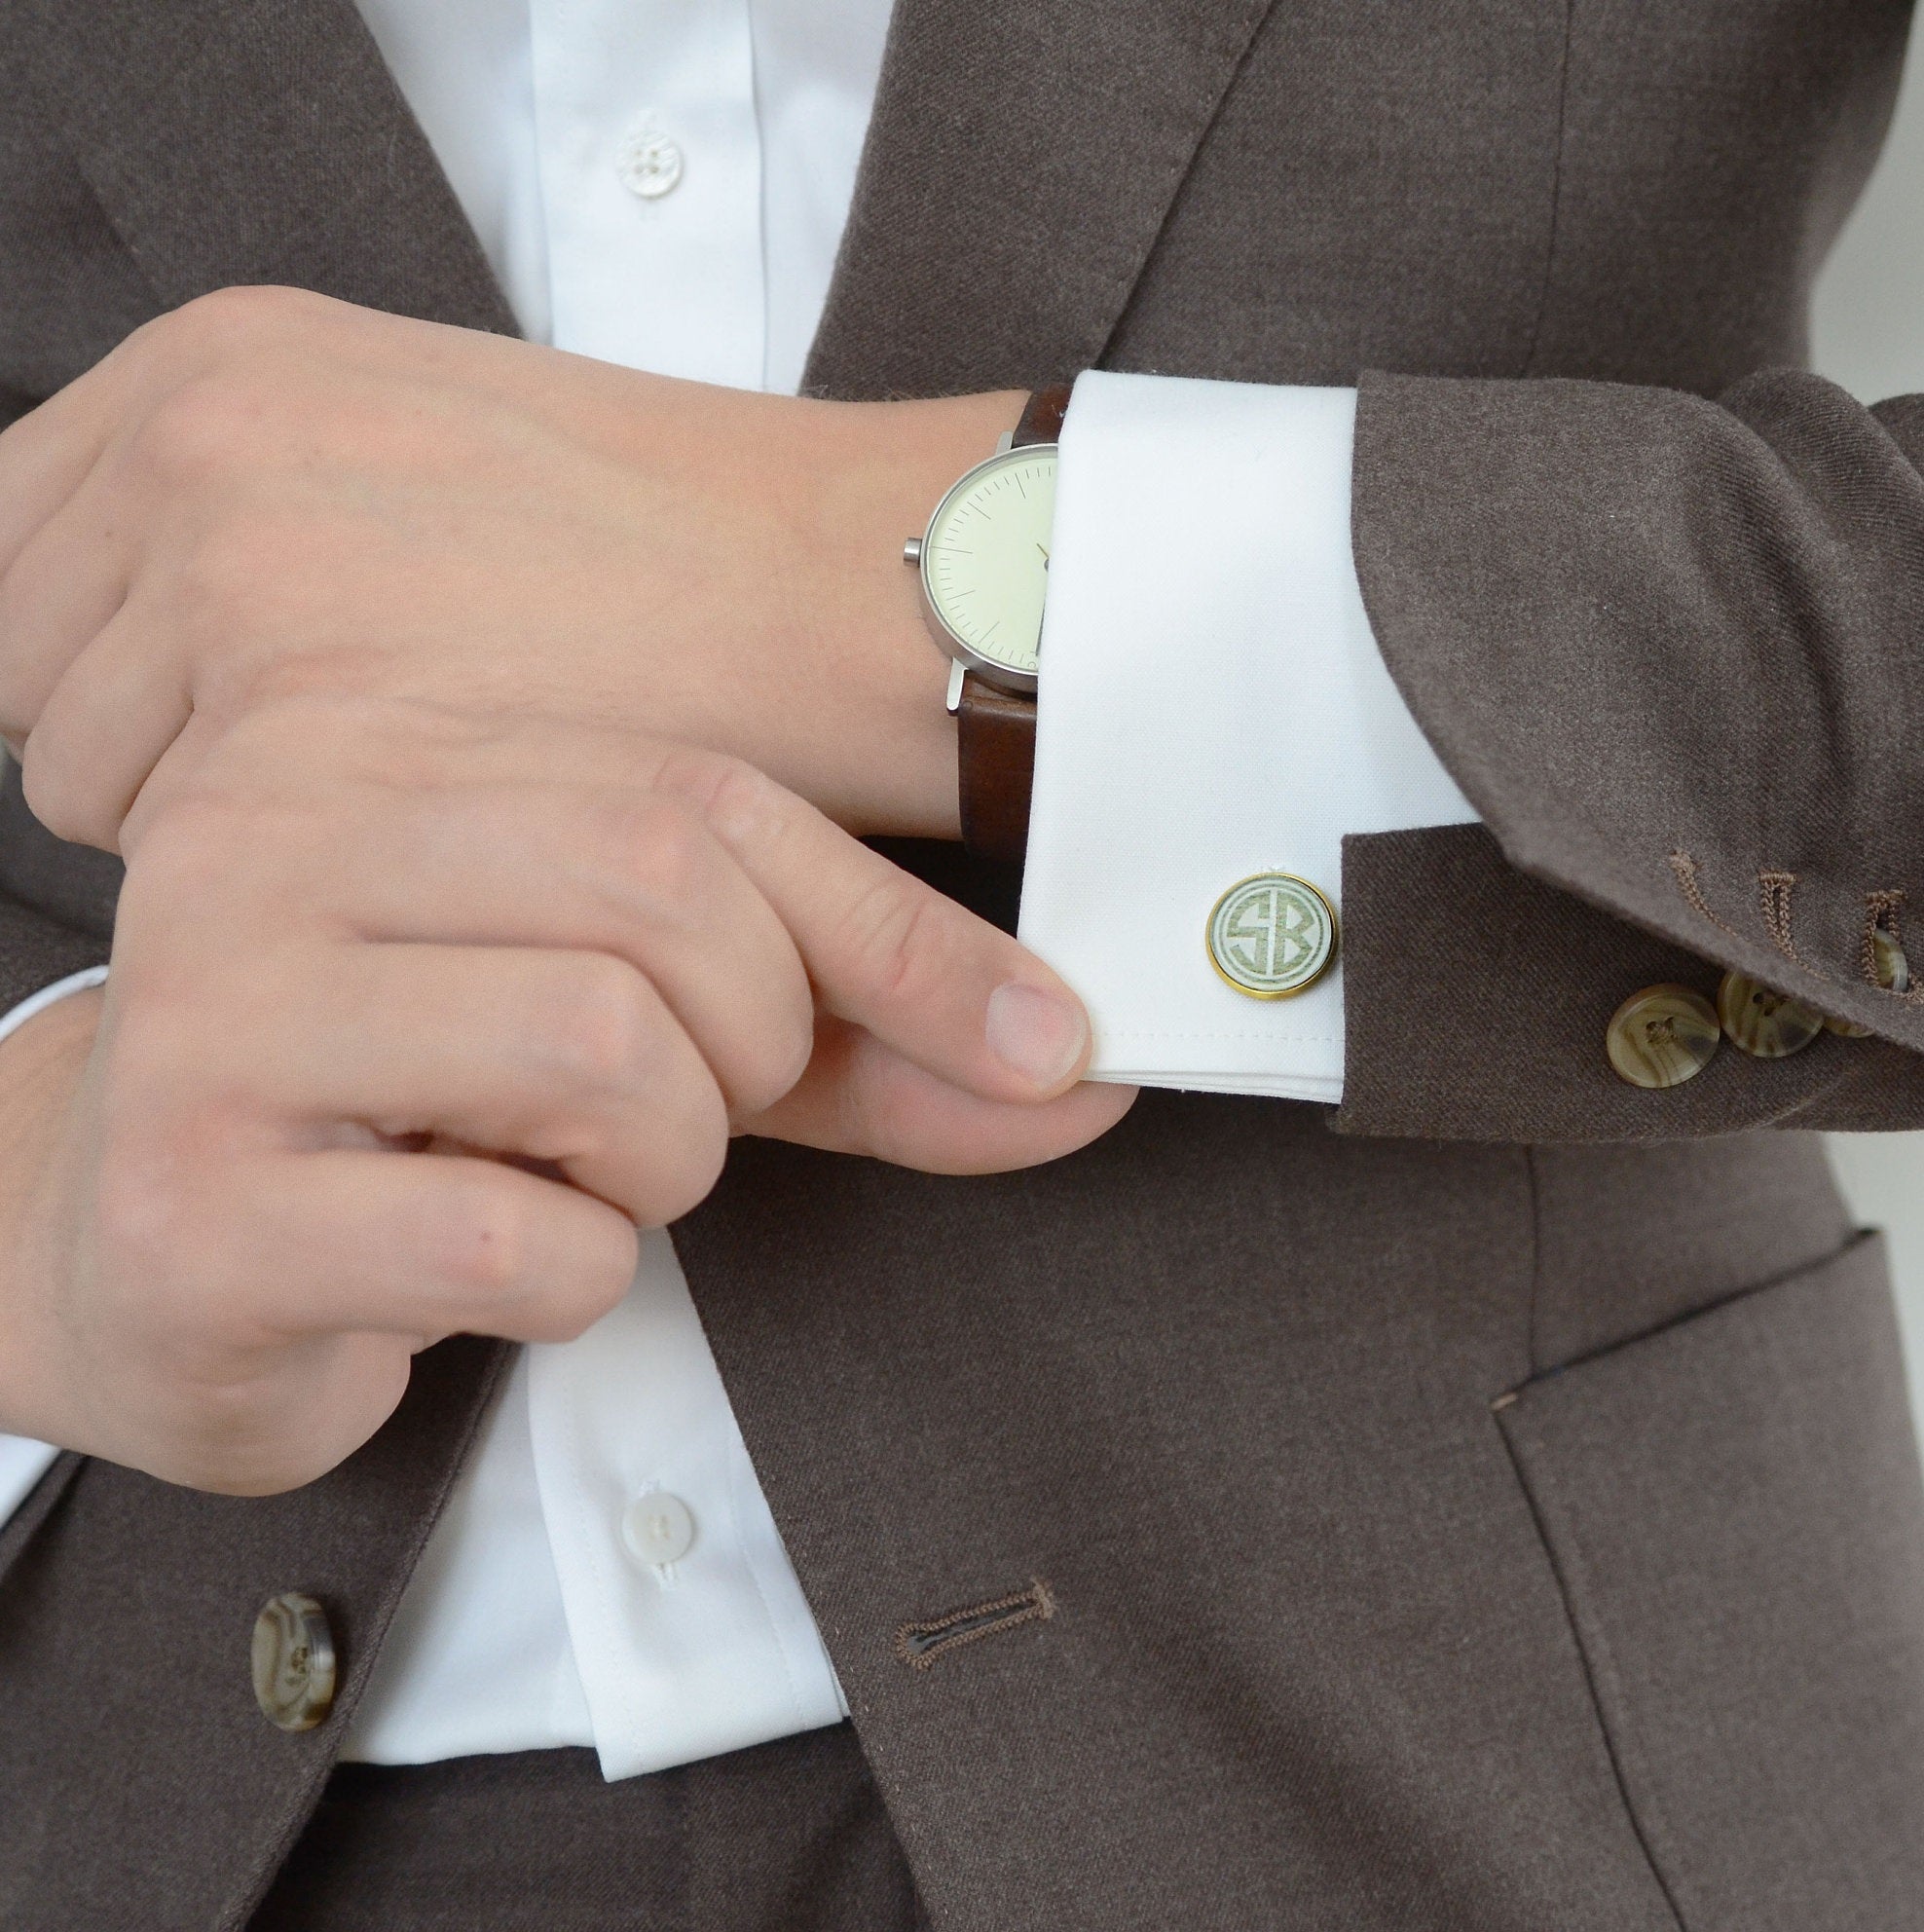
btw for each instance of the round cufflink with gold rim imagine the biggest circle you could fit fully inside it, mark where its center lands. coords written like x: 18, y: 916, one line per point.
x: 1272, y: 936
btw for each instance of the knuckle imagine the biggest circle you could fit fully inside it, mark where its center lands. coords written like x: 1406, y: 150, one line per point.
x: 197, y: 433
x: 226, y: 587
x: 663, y: 844
x: 167, y: 1184
x: 60, y: 794
x: 894, y: 933
x: 479, y: 1243
x: 576, y: 1298
x: 192, y: 840
x: 298, y: 681
x: 743, y: 804
x: 601, y: 1023
x: 781, y: 1055
x: 228, y: 322
x: 688, y: 1174
x: 140, y: 1222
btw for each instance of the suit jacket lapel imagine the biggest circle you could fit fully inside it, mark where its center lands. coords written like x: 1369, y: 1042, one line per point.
x: 1020, y: 162
x: 262, y: 142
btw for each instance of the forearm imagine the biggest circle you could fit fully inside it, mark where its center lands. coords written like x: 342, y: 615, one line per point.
x: 332, y: 501
x: 851, y: 714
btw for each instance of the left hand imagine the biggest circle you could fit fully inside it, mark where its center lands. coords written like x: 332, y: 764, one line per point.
x: 268, y: 494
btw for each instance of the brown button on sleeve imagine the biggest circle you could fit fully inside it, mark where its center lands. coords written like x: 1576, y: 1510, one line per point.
x: 1889, y: 968
x: 1662, y: 1036
x: 1771, y: 1026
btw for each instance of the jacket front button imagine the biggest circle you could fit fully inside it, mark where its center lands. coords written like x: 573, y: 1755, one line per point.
x: 1662, y: 1036
x: 293, y: 1661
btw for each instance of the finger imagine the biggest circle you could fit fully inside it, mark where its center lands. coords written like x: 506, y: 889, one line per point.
x: 860, y: 1096
x: 58, y: 594
x: 106, y: 723
x: 946, y: 990
x: 604, y: 869
x: 47, y: 454
x: 260, y: 1421
x: 566, y: 1058
x: 423, y: 1246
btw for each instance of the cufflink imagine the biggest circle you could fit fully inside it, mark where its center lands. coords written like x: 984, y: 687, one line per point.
x: 1272, y: 936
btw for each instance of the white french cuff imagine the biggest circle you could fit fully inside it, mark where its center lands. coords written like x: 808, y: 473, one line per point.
x: 22, y: 1461
x: 1213, y: 706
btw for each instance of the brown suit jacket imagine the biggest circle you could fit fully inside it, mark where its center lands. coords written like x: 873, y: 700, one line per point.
x: 1500, y: 1513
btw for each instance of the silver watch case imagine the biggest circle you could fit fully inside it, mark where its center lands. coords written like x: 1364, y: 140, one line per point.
x: 963, y: 654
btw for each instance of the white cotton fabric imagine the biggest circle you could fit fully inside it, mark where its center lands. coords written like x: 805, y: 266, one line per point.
x: 1212, y: 705
x: 528, y: 1625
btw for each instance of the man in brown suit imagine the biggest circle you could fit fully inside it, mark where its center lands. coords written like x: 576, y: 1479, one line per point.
x: 1492, y: 1504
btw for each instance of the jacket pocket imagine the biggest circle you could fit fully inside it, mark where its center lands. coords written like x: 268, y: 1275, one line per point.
x: 1733, y: 1509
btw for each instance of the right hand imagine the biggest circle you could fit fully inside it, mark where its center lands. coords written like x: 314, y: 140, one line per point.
x: 413, y: 1016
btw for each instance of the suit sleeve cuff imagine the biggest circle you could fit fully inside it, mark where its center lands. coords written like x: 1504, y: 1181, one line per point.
x: 1212, y: 705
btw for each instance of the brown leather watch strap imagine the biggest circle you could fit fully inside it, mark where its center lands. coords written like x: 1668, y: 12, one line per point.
x: 1042, y: 418
x: 995, y: 735
x: 996, y: 729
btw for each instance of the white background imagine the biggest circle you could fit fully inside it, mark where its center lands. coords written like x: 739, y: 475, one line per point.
x: 1870, y: 336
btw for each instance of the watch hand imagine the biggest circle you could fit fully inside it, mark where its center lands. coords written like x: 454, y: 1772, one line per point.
x: 1045, y: 557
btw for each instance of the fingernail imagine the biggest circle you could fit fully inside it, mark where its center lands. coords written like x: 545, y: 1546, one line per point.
x: 1040, y: 1035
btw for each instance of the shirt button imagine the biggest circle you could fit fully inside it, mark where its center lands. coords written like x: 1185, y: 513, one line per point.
x: 657, y: 1528
x: 649, y: 163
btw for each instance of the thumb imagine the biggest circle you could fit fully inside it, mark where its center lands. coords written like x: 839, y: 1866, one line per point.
x: 946, y: 991
x: 859, y: 1096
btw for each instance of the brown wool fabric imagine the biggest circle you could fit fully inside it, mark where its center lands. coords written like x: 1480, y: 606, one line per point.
x: 1497, y: 1513
x: 789, y: 1837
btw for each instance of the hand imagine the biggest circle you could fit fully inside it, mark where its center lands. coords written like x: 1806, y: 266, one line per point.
x: 268, y: 492
x: 412, y: 1016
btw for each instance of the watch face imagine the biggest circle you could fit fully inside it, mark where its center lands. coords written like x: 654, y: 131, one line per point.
x: 986, y: 562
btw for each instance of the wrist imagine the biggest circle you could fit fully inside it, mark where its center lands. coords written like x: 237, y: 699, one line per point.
x: 888, y: 743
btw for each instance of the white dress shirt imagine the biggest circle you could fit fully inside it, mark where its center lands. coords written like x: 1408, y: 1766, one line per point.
x: 1213, y: 705
x: 664, y: 186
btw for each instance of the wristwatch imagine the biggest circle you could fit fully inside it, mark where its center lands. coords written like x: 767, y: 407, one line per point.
x: 984, y: 563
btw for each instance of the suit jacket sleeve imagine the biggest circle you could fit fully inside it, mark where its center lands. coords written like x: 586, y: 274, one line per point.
x: 1673, y: 651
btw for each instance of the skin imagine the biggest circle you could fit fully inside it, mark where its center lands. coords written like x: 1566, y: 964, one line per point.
x: 269, y: 494
x: 483, y: 728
